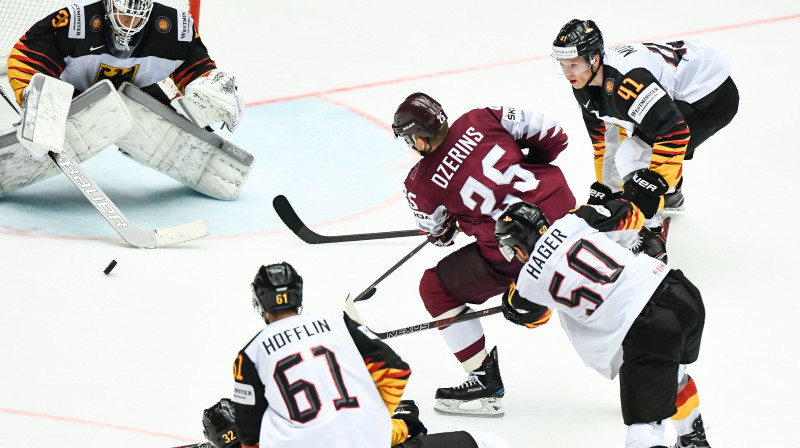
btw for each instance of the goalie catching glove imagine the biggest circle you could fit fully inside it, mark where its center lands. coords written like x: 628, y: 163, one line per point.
x: 522, y: 312
x: 212, y: 99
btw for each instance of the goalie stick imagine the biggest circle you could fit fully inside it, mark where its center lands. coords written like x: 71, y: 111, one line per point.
x: 296, y: 225
x: 131, y: 234
x: 350, y: 309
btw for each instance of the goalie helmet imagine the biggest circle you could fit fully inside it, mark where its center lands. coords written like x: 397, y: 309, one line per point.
x: 521, y: 225
x: 277, y: 287
x: 219, y: 425
x: 418, y: 115
x: 578, y: 38
x: 125, y: 19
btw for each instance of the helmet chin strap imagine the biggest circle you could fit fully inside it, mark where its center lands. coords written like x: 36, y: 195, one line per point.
x: 594, y: 72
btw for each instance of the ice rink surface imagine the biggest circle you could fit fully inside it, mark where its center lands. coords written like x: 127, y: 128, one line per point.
x: 131, y: 359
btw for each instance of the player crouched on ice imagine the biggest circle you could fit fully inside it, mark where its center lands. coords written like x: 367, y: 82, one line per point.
x: 113, y: 56
x: 625, y: 314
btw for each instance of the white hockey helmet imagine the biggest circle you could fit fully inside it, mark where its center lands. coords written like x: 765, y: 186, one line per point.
x: 126, y: 18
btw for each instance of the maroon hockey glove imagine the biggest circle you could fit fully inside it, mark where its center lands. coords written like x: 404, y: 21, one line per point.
x: 446, y: 237
x: 645, y: 189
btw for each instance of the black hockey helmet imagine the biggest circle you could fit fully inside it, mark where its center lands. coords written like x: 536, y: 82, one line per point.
x: 418, y: 115
x: 219, y: 425
x: 277, y: 287
x: 578, y: 38
x: 521, y: 225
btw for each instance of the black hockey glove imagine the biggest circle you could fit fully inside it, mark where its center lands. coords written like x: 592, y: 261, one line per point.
x: 408, y: 412
x: 531, y: 316
x: 599, y: 194
x: 218, y: 425
x: 645, y: 189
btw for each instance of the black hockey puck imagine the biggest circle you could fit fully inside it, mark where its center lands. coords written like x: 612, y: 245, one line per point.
x: 110, y: 267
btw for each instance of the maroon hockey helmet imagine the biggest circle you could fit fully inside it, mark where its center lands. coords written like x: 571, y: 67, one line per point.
x: 418, y: 115
x: 521, y: 225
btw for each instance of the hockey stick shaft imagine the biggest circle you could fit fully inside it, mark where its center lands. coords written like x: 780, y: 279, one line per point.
x: 295, y: 224
x: 439, y: 323
x: 350, y: 309
x: 370, y: 291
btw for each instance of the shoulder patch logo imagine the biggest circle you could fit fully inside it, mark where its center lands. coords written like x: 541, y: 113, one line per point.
x: 96, y: 23
x: 163, y: 24
x: 609, y: 85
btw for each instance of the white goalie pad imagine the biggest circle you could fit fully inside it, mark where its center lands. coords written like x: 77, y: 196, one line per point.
x: 168, y: 142
x: 212, y: 99
x: 46, y: 106
x: 97, y: 118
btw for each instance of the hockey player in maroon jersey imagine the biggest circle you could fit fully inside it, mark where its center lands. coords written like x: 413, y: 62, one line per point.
x: 469, y: 173
x: 647, y: 106
x: 318, y: 379
x: 625, y: 314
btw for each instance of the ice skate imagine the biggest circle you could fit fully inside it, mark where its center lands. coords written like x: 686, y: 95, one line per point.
x: 696, y: 438
x: 653, y: 242
x: 479, y: 396
x: 674, y: 202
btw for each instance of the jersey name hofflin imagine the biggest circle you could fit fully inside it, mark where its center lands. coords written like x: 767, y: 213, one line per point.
x: 544, y: 251
x: 280, y: 340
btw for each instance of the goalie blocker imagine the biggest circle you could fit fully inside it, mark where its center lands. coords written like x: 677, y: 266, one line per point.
x: 145, y: 130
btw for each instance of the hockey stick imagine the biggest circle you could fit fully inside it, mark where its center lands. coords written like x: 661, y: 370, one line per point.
x: 197, y: 445
x: 133, y: 235
x: 295, y: 224
x: 350, y: 309
x: 370, y: 291
x: 130, y: 233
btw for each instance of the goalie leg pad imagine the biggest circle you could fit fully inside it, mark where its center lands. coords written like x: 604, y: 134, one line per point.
x: 164, y: 140
x: 97, y: 118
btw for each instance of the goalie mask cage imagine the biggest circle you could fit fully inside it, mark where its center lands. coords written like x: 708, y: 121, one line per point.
x: 17, y: 16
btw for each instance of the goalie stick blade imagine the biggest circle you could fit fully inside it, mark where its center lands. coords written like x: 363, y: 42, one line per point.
x: 182, y: 233
x: 147, y: 239
x: 289, y: 217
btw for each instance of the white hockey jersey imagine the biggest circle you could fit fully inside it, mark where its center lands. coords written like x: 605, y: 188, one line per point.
x: 597, y: 286
x: 311, y: 385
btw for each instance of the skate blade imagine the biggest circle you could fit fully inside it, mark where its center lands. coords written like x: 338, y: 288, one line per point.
x: 483, y: 407
x: 675, y: 211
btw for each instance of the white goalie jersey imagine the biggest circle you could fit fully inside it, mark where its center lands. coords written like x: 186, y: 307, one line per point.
x: 597, y: 286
